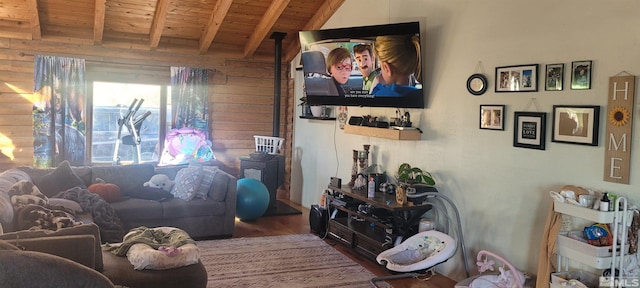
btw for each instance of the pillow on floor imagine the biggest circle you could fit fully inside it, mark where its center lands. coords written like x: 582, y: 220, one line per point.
x: 187, y: 182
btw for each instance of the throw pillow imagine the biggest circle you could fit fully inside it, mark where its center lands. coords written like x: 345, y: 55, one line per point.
x: 66, y: 203
x: 151, y: 193
x: 208, y: 173
x: 108, y: 191
x: 60, y: 179
x: 187, y: 182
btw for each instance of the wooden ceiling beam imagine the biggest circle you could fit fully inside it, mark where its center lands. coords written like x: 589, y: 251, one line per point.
x: 36, y: 33
x: 159, y: 18
x: 98, y: 21
x: 325, y: 12
x: 217, y: 16
x: 264, y: 26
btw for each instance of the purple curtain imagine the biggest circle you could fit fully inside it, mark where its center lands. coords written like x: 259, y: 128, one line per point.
x: 58, y: 111
x: 190, y: 98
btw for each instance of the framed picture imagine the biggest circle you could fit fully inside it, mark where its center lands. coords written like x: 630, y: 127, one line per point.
x: 581, y: 75
x: 492, y: 117
x: 529, y: 130
x: 554, y: 77
x: 522, y: 78
x: 576, y: 124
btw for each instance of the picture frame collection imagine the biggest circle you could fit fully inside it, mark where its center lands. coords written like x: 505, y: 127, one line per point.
x: 572, y: 124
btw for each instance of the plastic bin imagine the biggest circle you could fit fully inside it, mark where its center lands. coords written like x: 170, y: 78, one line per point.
x: 269, y: 145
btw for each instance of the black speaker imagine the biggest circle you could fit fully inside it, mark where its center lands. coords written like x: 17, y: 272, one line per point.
x: 318, y: 218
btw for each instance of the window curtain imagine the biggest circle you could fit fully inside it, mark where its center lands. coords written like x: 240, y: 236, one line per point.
x: 190, y: 98
x: 58, y: 111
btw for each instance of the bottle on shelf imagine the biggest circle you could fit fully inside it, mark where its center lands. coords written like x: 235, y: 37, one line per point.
x: 371, y: 192
x: 604, y: 202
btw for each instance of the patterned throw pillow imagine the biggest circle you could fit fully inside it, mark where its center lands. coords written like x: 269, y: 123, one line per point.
x: 187, y: 182
x: 208, y: 173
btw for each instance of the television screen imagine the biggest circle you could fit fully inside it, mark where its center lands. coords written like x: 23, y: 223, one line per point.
x: 377, y: 66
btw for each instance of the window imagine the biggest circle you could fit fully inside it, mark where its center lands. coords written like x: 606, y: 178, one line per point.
x: 111, y: 103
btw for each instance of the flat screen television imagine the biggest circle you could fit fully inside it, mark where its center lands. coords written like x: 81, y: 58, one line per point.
x: 334, y: 77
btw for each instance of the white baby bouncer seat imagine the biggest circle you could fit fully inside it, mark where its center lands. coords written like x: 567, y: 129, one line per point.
x: 424, y: 250
x: 420, y: 251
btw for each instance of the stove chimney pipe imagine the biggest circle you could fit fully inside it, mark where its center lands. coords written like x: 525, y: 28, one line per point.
x: 278, y: 36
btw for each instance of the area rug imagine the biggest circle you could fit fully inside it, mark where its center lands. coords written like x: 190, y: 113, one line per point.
x: 281, y: 208
x: 291, y: 261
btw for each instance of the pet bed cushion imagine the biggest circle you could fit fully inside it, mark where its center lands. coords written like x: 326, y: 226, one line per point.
x: 421, y: 251
x: 142, y: 256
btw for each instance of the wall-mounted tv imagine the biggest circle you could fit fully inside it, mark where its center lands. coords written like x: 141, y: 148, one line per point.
x: 375, y: 66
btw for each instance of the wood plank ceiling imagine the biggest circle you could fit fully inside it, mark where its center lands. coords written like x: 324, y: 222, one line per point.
x: 192, y: 27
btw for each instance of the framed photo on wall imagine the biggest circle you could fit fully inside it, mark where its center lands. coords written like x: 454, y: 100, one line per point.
x: 576, y: 124
x: 492, y: 117
x: 529, y: 130
x: 581, y: 75
x: 521, y: 78
x: 554, y: 77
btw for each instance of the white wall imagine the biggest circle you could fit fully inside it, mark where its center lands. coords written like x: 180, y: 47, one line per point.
x: 501, y: 190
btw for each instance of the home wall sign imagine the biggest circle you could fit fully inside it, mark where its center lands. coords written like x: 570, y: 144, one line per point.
x: 617, y: 153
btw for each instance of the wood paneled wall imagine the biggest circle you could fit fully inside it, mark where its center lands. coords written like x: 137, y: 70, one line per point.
x: 240, y: 92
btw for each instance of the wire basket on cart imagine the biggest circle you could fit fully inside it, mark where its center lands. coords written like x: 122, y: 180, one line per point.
x: 269, y: 145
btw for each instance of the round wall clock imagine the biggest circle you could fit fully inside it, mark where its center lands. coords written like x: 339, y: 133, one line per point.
x: 477, y: 84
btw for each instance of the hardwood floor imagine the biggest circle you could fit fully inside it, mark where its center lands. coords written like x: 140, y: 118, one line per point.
x: 298, y: 224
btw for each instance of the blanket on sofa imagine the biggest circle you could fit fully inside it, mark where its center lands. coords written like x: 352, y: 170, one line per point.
x: 111, y: 228
x: 34, y: 216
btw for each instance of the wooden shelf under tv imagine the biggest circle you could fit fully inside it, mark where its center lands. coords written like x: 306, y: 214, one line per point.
x: 388, y: 133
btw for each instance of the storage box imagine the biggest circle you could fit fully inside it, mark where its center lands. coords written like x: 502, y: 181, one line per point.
x: 585, y: 278
x: 566, y: 242
x: 269, y: 145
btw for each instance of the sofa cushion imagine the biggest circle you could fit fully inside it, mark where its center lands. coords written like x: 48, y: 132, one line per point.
x: 58, y: 180
x: 4, y: 245
x: 138, y: 209
x: 176, y: 208
x: 151, y: 193
x: 36, y: 269
x: 85, y: 229
x: 186, y: 183
x: 208, y: 174
x: 128, y: 177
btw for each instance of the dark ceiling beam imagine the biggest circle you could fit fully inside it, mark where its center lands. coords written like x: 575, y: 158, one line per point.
x: 217, y: 16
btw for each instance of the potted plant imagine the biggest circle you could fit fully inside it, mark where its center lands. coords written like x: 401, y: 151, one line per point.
x: 306, y: 109
x: 414, y: 175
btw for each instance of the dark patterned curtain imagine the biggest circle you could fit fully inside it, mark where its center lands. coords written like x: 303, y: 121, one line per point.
x: 58, y: 111
x: 190, y: 98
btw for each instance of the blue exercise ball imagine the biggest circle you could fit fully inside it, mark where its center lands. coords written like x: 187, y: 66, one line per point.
x: 252, y: 200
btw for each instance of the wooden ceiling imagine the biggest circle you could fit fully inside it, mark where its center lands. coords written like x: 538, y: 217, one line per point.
x: 195, y: 27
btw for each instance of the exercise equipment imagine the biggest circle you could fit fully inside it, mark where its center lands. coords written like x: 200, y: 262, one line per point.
x: 133, y: 124
x: 252, y: 199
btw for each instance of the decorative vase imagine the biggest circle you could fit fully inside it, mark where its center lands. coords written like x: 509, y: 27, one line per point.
x: 316, y: 111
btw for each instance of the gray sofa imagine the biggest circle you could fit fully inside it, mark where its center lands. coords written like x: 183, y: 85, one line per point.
x: 210, y: 218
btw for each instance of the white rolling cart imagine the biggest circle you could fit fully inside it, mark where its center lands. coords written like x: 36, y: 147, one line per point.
x: 594, y: 256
